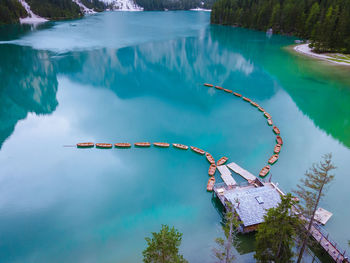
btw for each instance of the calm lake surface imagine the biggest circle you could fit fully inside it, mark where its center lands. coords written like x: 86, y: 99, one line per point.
x: 137, y: 76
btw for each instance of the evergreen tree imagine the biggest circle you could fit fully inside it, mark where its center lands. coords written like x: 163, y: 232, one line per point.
x: 310, y: 192
x: 275, y: 237
x: 163, y: 247
x: 224, y: 251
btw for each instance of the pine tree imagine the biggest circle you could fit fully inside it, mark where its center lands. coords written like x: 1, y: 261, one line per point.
x: 310, y: 192
x: 275, y: 237
x: 163, y: 247
x: 224, y: 251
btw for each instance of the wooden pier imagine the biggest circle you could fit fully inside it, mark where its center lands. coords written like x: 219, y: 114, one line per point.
x: 331, y: 247
x: 226, y: 175
x: 242, y: 172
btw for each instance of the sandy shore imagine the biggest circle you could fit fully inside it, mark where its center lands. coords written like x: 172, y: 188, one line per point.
x: 335, y: 58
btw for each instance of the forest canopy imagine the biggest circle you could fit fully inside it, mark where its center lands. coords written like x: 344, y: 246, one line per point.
x: 326, y: 23
x: 10, y: 11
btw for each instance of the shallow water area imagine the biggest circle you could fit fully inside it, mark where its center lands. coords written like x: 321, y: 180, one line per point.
x: 138, y: 76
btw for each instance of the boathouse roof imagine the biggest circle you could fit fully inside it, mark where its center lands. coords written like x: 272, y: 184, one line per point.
x: 253, y: 202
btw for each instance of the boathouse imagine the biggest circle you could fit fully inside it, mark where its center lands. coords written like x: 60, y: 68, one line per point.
x: 250, y: 201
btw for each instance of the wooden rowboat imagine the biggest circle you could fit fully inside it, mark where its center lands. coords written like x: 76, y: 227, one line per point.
x: 254, y: 104
x: 237, y: 94
x: 161, y: 144
x: 180, y: 146
x: 261, y: 109
x: 197, y: 150
x: 273, y: 159
x: 264, y: 171
x: 104, y: 145
x: 246, y: 99
x: 211, y: 183
x: 276, y: 130
x: 279, y: 140
x: 210, y: 158
x: 228, y: 90
x: 208, y: 85
x: 85, y: 144
x: 269, y: 121
x: 142, y: 144
x: 221, y: 161
x: 212, y: 169
x: 277, y: 148
x: 218, y: 87
x: 267, y: 115
x: 122, y: 145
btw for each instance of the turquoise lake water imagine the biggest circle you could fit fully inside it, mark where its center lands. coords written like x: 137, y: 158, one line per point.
x: 138, y: 76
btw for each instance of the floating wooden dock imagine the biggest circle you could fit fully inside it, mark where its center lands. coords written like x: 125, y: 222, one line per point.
x: 226, y: 175
x: 242, y: 172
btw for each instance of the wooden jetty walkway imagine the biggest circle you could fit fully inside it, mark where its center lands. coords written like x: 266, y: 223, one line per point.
x: 242, y: 172
x: 331, y: 247
x: 226, y: 175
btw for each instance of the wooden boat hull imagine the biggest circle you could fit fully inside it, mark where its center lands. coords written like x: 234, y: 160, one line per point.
x: 254, y: 104
x: 122, y: 145
x: 279, y: 140
x: 210, y: 158
x: 261, y: 109
x: 237, y: 94
x: 267, y: 115
x: 277, y: 148
x: 211, y: 183
x: 180, y: 146
x: 161, y: 144
x: 142, y: 144
x: 197, y: 150
x: 208, y: 85
x: 273, y: 159
x: 269, y: 122
x: 104, y: 145
x: 276, y: 130
x: 212, y: 170
x: 264, y: 171
x: 221, y: 161
x: 85, y: 144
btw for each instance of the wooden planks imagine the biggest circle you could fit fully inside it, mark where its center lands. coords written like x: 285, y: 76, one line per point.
x: 226, y: 175
x: 242, y: 172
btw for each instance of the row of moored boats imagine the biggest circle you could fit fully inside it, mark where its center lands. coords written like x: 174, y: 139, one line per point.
x: 138, y: 144
x: 212, y: 168
x: 266, y: 169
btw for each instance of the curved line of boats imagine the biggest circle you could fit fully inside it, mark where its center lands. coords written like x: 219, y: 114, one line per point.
x: 266, y: 169
x: 212, y: 168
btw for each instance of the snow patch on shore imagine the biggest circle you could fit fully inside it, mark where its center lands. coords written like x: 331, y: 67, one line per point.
x: 31, y: 18
x: 83, y: 8
x: 123, y: 5
x: 200, y: 9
